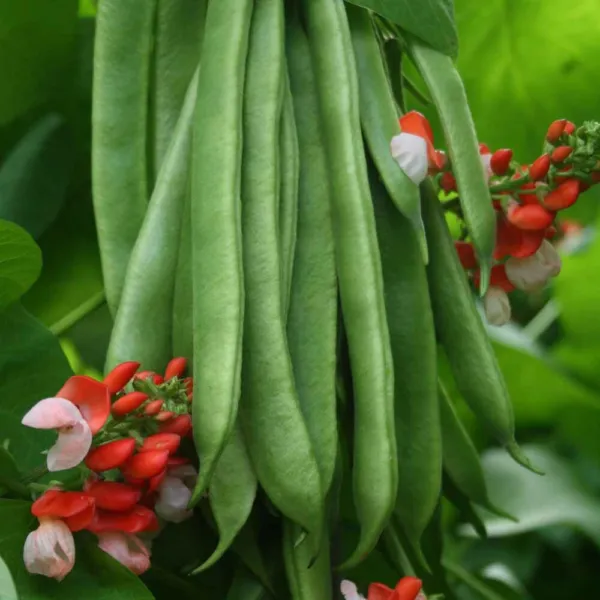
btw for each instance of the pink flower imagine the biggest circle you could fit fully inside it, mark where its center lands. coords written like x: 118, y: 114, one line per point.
x: 413, y: 148
x: 78, y: 411
x: 50, y: 549
x: 128, y: 549
x: 496, y: 306
x: 74, y: 434
x: 174, y: 494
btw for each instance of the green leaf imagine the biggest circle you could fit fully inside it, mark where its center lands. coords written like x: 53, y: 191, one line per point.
x: 95, y: 576
x: 35, y: 175
x: 32, y: 367
x: 20, y: 262
x: 430, y: 20
x: 557, y: 498
x: 8, y: 591
x: 8, y: 472
x: 37, y: 38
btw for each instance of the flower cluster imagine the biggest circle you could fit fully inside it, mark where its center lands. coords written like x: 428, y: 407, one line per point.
x: 408, y: 588
x: 121, y: 437
x: 526, y: 200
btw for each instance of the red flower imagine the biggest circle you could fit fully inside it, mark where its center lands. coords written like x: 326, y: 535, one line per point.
x: 91, y: 397
x: 561, y: 153
x: 76, y: 509
x: 110, y: 455
x: 466, y: 254
x: 555, y: 130
x: 136, y: 520
x: 146, y: 464
x: 181, y: 425
x: 539, y: 168
x: 500, y: 161
x: 563, y: 196
x: 118, y: 378
x: 161, y: 441
x: 531, y: 216
x: 128, y: 403
x: 498, y: 278
x: 175, y: 368
x: 113, y: 496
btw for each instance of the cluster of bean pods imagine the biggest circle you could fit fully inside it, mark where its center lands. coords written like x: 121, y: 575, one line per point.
x: 252, y: 219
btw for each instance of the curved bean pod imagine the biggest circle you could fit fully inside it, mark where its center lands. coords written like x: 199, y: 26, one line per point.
x: 448, y: 94
x: 123, y: 46
x: 272, y: 421
x: 461, y: 332
x: 143, y: 325
x: 312, y: 319
x: 218, y: 282
x: 359, y: 272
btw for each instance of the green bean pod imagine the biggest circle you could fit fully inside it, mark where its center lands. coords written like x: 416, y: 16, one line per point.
x: 461, y: 332
x: 143, y: 325
x: 231, y: 494
x: 272, y: 421
x: 312, y: 319
x: 379, y: 119
x: 218, y: 280
x: 461, y: 460
x: 448, y: 94
x: 123, y: 46
x: 375, y: 470
x: 307, y: 580
x: 178, y: 37
x: 288, y: 205
x: 412, y: 334
x: 245, y: 587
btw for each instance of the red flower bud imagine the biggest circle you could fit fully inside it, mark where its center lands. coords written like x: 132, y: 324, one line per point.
x: 181, y: 425
x: 561, y: 153
x: 555, y: 130
x: 498, y: 278
x: 161, y: 441
x: 118, y: 378
x: 539, y: 168
x: 175, y: 368
x: 153, y: 408
x: 111, y: 455
x: 500, y: 161
x: 466, y: 254
x: 76, y: 509
x: 563, y: 196
x: 530, y: 216
x: 154, y: 377
x: 138, y: 519
x: 550, y: 232
x: 569, y: 128
x: 154, y: 482
x: 164, y: 415
x: 484, y: 149
x: 128, y: 403
x: 407, y: 588
x: 146, y: 464
x: 113, y: 496
x: 448, y: 182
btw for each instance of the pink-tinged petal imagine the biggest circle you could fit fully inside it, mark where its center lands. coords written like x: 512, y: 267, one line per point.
x: 52, y: 413
x: 173, y: 499
x: 349, y: 591
x: 186, y: 473
x: 410, y: 152
x: 128, y: 549
x: 91, y: 397
x: 71, y: 448
x: 550, y: 258
x: 486, y: 161
x: 528, y: 274
x: 50, y: 550
x: 497, y: 306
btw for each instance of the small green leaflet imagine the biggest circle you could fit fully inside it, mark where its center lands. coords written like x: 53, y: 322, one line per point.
x: 430, y: 20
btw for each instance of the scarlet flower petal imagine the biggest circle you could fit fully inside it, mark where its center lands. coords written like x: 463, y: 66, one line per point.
x: 555, y: 130
x: 161, y: 441
x: 146, y: 464
x: 563, y: 196
x: 128, y: 403
x: 111, y: 455
x: 531, y: 217
x: 408, y: 588
x: 113, y: 496
x: 118, y: 378
x: 165, y: 415
x: 416, y: 123
x: 540, y: 167
x: 59, y: 504
x: 82, y: 519
x: 50, y: 550
x: 448, y: 182
x: 91, y: 397
x: 500, y: 161
x: 561, y: 153
x: 175, y: 368
x: 378, y: 591
x: 154, y: 377
x: 153, y: 408
x: 466, y: 254
x: 155, y: 482
x: 138, y: 519
x: 180, y: 425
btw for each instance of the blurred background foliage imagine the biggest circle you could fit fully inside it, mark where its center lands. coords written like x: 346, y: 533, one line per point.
x: 524, y: 64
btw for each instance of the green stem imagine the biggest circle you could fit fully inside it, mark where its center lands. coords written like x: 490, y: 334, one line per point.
x: 77, y: 314
x: 540, y: 323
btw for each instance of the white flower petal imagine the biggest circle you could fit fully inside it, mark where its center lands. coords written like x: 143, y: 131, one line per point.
x: 128, y: 549
x: 549, y: 258
x: 50, y: 549
x: 497, y: 306
x: 173, y: 499
x: 52, y: 413
x: 528, y: 274
x: 486, y: 160
x: 70, y: 448
x: 349, y: 591
x: 410, y: 152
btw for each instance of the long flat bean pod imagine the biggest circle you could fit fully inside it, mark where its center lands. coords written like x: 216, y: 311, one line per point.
x: 359, y: 272
x: 178, y: 36
x: 312, y: 319
x: 379, y: 118
x: 122, y: 51
x: 288, y: 205
x: 448, y: 94
x: 412, y: 335
x: 273, y: 424
x: 143, y: 326
x: 218, y: 281
x: 461, y: 332
x: 461, y: 460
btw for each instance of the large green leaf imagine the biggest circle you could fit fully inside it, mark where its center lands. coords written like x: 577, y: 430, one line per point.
x: 430, y: 20
x: 96, y: 576
x: 557, y: 498
x: 35, y: 175
x: 32, y: 367
x: 37, y: 39
x: 8, y: 591
x: 20, y: 262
